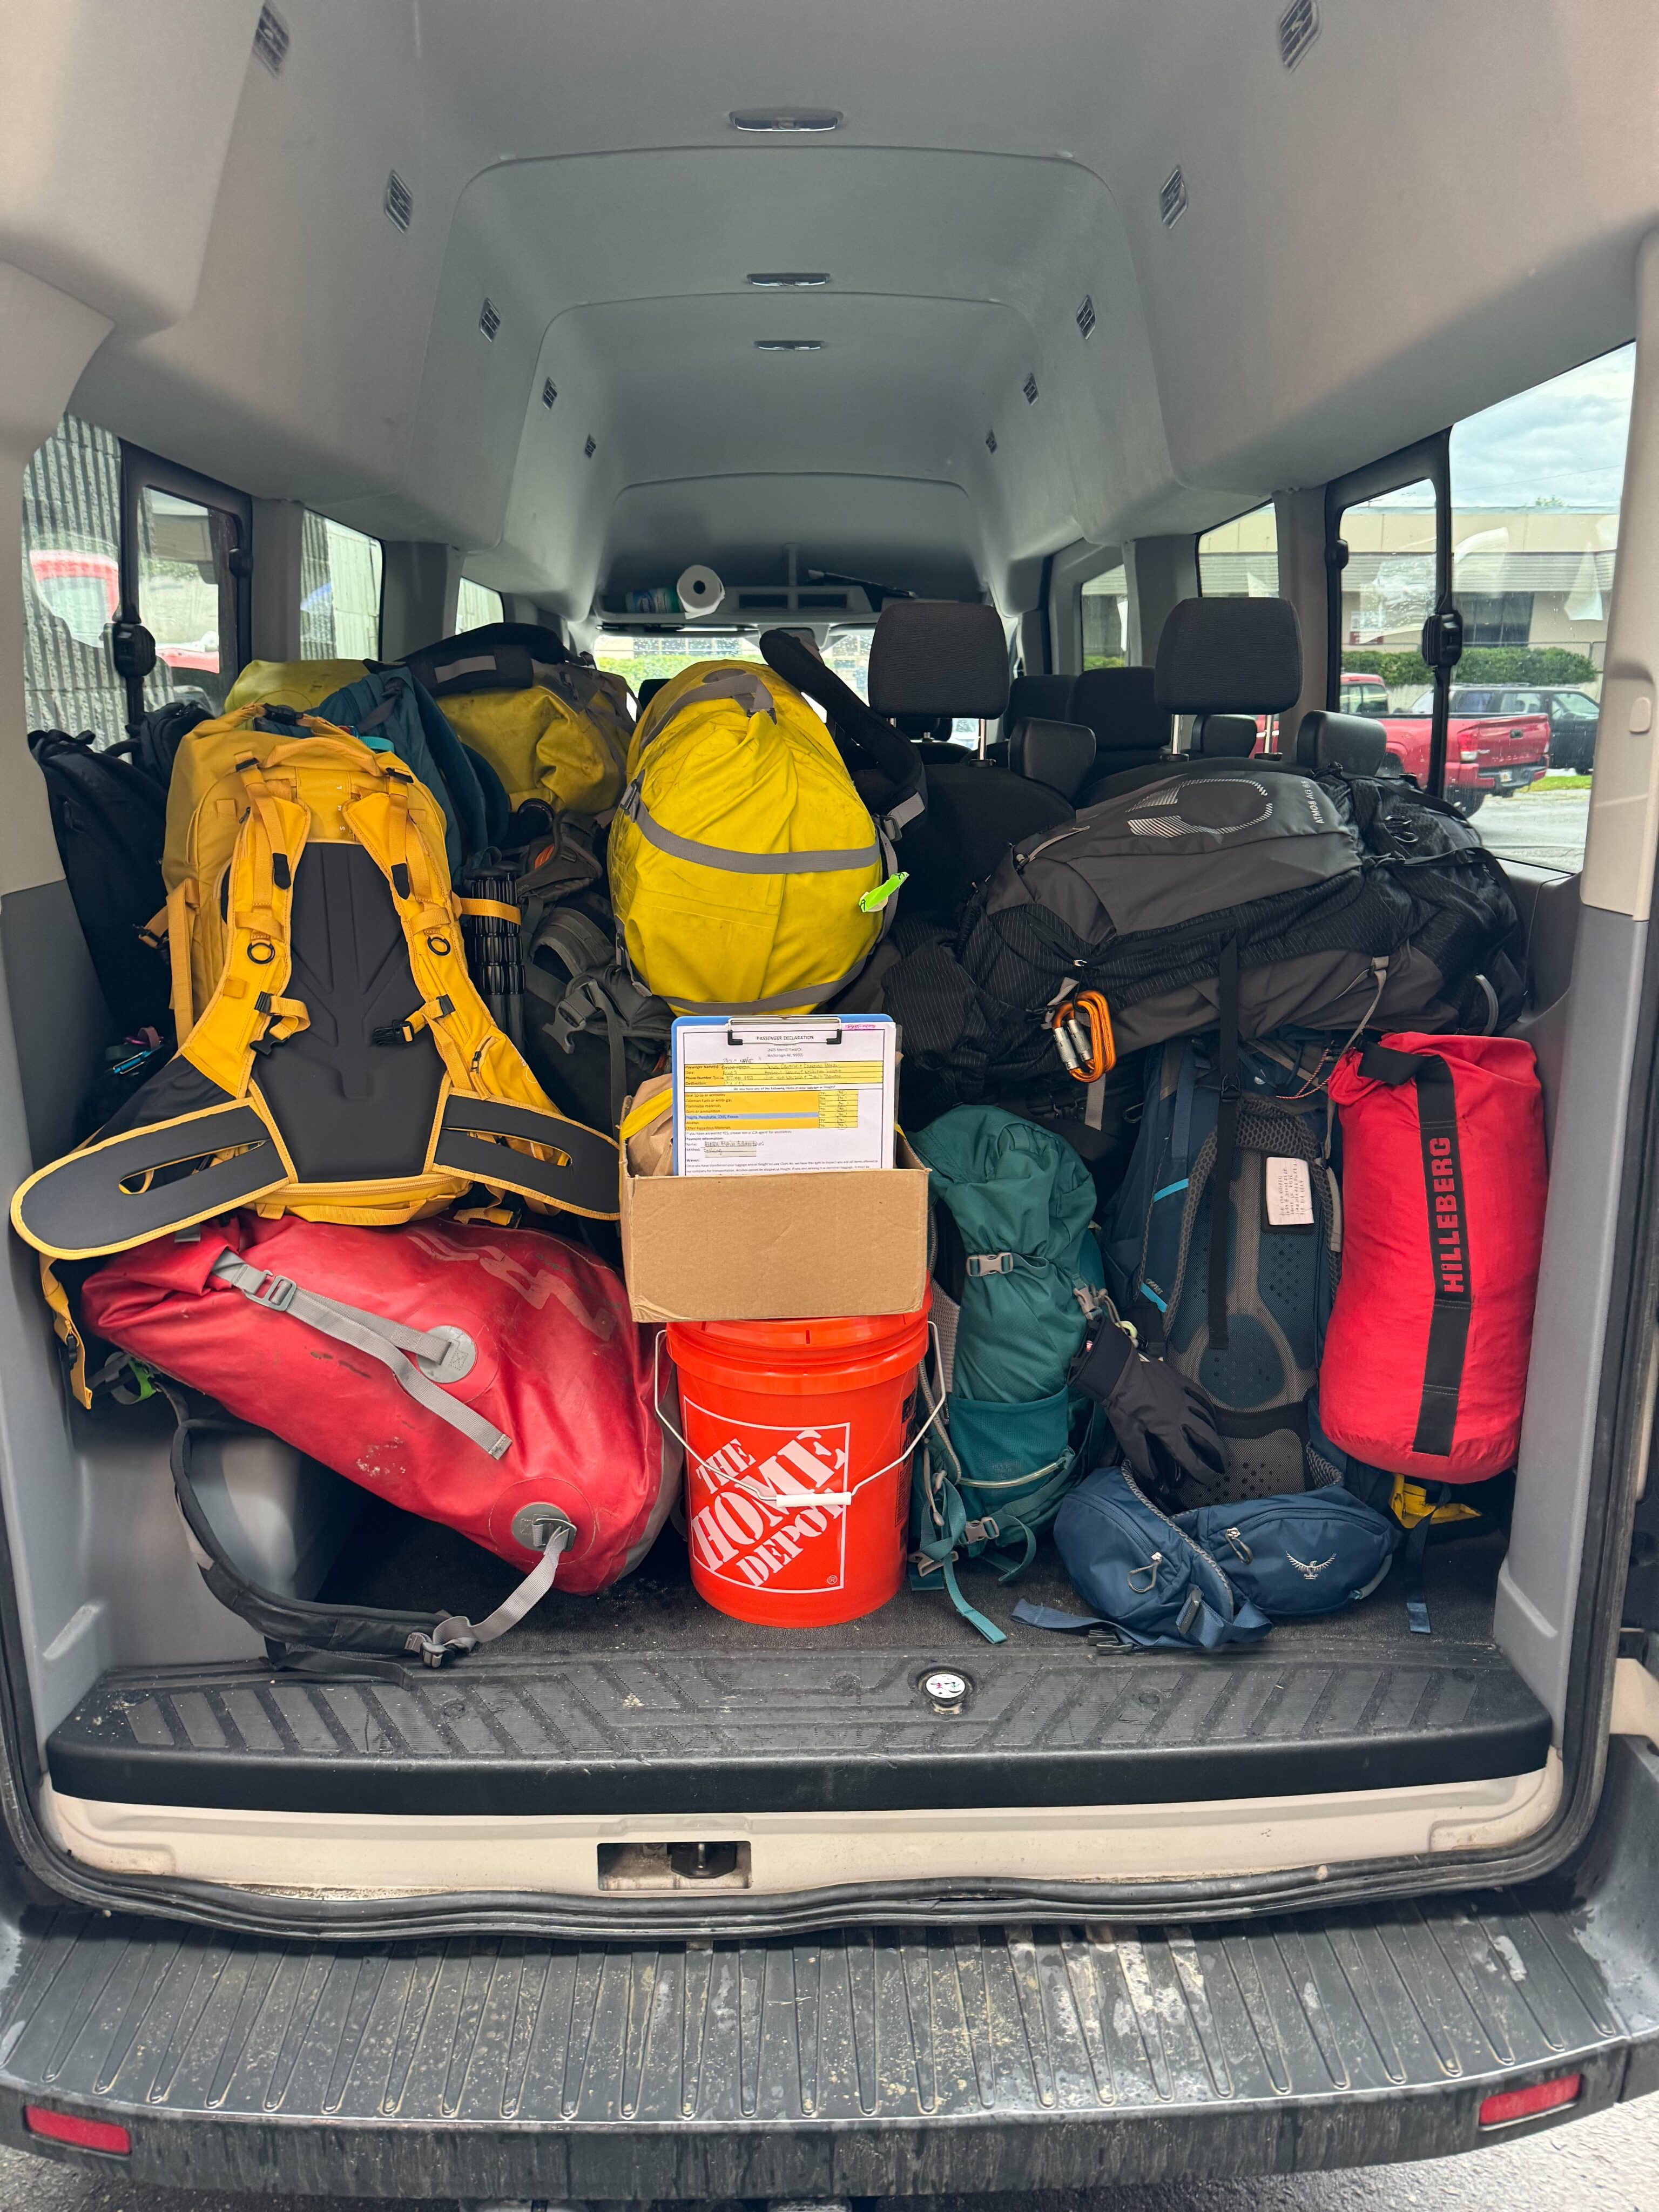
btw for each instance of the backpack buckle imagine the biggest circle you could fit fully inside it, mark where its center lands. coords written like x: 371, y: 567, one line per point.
x: 990, y: 1263
x: 276, y: 1292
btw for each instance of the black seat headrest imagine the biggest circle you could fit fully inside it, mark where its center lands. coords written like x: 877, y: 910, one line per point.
x: 1060, y: 753
x: 1225, y: 737
x: 1040, y: 699
x: 1228, y: 656
x: 1353, y: 742
x: 1117, y: 704
x: 938, y: 657
x: 648, y: 691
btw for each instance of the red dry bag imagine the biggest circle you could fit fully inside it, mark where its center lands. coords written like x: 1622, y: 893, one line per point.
x: 490, y: 1379
x: 1425, y: 1367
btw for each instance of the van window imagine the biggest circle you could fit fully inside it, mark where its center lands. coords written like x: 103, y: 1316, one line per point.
x: 477, y: 605
x: 1239, y: 559
x: 340, y: 591
x: 664, y: 653
x: 1536, y: 484
x: 72, y: 582
x: 1105, y: 602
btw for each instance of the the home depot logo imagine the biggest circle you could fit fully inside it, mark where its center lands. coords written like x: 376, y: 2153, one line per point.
x: 767, y: 1506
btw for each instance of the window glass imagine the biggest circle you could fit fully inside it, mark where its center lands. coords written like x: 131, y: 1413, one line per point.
x: 1536, y: 484
x: 1239, y: 560
x: 1106, y: 619
x: 475, y: 605
x: 187, y: 597
x: 340, y: 591
x: 71, y: 582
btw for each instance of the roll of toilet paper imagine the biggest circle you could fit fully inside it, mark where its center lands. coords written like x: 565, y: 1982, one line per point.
x: 700, y: 590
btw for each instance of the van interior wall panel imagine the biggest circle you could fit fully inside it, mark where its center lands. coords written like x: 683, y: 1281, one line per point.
x: 1537, y: 1588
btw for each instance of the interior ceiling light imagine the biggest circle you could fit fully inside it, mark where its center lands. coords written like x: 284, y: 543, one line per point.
x: 787, y: 118
x: 788, y: 345
x: 786, y: 280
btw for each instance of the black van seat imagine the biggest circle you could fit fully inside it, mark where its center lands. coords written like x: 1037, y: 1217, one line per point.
x: 1225, y: 737
x: 931, y: 660
x: 1353, y: 742
x: 1039, y: 699
x: 1131, y: 730
x: 1218, y: 659
x: 648, y: 691
x: 1058, y: 754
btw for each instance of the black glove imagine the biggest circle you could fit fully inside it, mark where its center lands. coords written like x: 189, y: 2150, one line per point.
x: 1163, y: 1424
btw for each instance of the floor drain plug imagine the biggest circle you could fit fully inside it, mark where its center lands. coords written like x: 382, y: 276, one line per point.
x: 945, y: 1690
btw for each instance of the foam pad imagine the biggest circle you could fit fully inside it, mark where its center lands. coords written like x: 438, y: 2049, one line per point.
x: 1353, y: 742
x: 1060, y: 753
x: 1228, y: 656
x: 938, y: 657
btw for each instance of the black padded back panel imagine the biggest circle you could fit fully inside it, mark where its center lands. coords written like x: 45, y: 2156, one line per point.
x: 938, y: 657
x: 1228, y: 656
x: 1117, y: 704
x: 348, y: 1108
x: 1353, y: 742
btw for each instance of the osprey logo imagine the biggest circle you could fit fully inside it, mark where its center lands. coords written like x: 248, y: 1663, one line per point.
x: 1310, y: 1570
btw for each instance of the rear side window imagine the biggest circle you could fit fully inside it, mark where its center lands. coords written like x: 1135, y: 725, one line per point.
x: 476, y: 605
x: 1105, y: 602
x: 1240, y: 559
x: 340, y: 591
x: 1536, y: 486
x: 72, y: 582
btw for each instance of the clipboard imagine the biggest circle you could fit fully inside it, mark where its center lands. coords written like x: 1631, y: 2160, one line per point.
x: 801, y: 1095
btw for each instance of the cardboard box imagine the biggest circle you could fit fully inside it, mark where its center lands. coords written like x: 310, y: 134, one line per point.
x: 775, y: 1248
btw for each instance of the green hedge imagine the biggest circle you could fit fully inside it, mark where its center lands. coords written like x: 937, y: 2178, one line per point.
x: 1481, y: 664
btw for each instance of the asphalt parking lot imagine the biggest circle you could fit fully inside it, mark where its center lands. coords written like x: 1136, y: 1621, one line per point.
x: 1544, y: 827
x: 1608, y: 2164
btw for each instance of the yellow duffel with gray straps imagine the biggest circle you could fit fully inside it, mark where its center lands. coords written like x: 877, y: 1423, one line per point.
x: 746, y: 873
x: 552, y: 729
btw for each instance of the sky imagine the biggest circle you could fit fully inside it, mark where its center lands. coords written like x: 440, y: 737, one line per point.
x: 1562, y: 442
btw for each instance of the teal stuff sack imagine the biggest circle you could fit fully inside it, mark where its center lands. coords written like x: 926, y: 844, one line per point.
x: 1015, y: 1267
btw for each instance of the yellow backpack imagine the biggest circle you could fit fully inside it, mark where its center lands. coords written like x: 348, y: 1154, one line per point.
x: 335, y: 1061
x: 745, y: 872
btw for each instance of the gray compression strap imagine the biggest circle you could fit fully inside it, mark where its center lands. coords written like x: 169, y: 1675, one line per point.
x: 457, y: 1633
x: 735, y: 863
x: 371, y: 1333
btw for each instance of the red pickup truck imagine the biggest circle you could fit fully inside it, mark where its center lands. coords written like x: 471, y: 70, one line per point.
x: 1484, y: 752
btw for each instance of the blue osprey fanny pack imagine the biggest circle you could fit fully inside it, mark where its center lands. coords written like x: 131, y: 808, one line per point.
x: 1310, y: 1552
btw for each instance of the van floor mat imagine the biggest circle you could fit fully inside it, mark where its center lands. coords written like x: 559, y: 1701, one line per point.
x: 629, y: 1718
x: 872, y: 2061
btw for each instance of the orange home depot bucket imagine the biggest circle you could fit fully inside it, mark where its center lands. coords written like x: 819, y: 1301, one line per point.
x: 798, y: 1473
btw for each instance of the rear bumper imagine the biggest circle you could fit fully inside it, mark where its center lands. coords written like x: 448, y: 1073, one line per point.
x: 871, y: 2062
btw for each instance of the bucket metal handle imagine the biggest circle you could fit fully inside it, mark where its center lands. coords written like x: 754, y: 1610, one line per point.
x: 834, y: 1499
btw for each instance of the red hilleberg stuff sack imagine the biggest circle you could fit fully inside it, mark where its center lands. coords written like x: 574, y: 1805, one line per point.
x: 490, y: 1379
x: 1425, y: 1366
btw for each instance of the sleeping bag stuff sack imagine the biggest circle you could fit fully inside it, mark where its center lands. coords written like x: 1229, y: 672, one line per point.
x: 1425, y: 1367
x: 489, y: 1379
x: 746, y: 870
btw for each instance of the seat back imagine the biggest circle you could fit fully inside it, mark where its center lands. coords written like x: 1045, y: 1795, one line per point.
x: 1061, y: 755
x: 1353, y: 742
x: 1039, y: 699
x: 1118, y: 705
x: 1225, y: 737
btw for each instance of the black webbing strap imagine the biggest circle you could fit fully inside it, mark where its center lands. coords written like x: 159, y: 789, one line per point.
x: 1449, y: 1253
x: 1226, y: 1144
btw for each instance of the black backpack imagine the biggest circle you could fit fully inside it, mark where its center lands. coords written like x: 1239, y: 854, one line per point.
x: 109, y: 821
x: 1336, y: 903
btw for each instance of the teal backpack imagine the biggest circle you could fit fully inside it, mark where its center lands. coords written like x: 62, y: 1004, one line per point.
x: 1015, y: 1267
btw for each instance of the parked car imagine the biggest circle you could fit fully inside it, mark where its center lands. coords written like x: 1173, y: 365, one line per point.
x: 1489, y: 746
